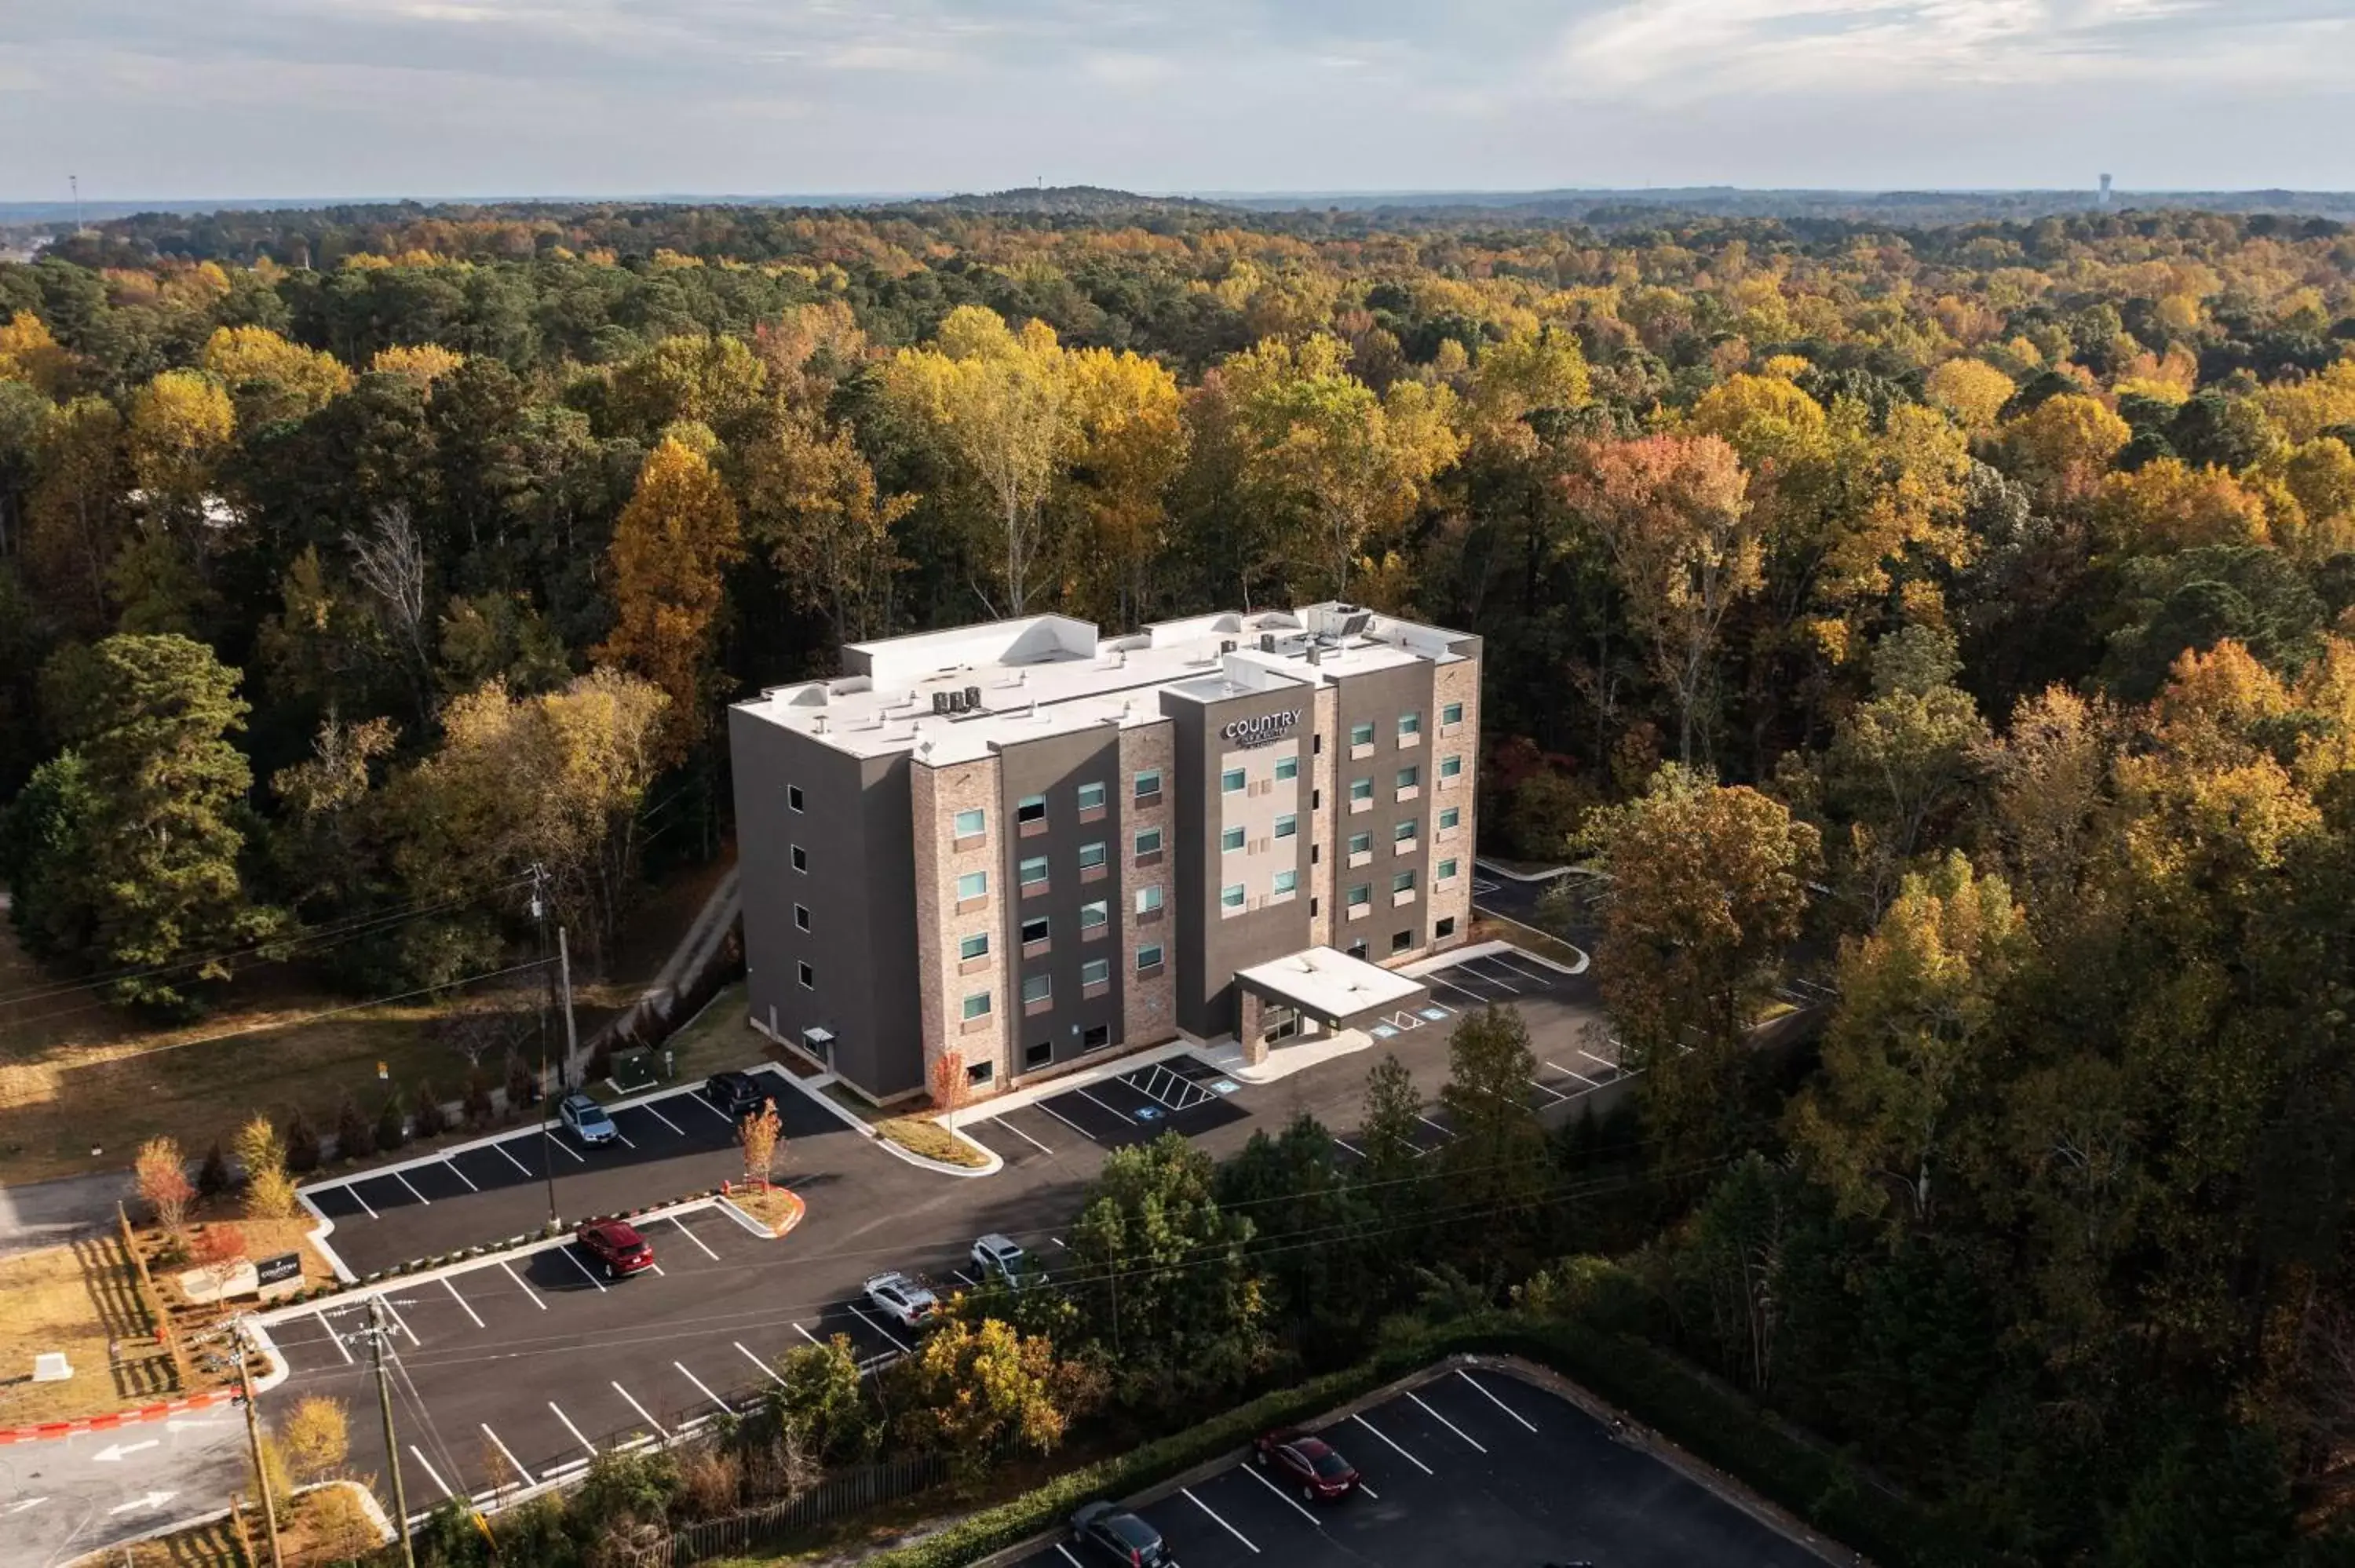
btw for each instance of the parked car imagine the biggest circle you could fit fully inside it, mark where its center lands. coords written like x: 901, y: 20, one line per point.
x: 738, y: 1095
x: 1001, y: 1257
x: 617, y: 1244
x: 1110, y: 1534
x: 587, y: 1119
x: 1308, y: 1464
x: 902, y: 1300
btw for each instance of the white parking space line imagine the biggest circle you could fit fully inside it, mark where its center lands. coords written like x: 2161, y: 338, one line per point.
x: 332, y: 1335
x: 1369, y: 1490
x: 1353, y: 1148
x: 1558, y: 1095
x: 690, y: 1235
x: 705, y: 1392
x: 506, y: 1452
x: 1187, y: 1493
x: 564, y: 1146
x: 658, y: 1116
x: 1492, y: 980
x: 526, y: 1289
x: 1067, y: 1555
x: 462, y: 1176
x: 412, y: 1190
x: 1066, y: 1122
x: 1598, y: 1061
x: 1394, y: 1447
x: 511, y: 1159
x: 583, y: 1267
x: 1525, y: 974
x: 1445, y: 1422
x: 714, y: 1109
x: 1434, y: 1127
x: 1025, y: 1137
x: 758, y: 1362
x: 363, y: 1202
x: 437, y: 1480
x: 1566, y: 1073
x: 804, y: 1334
x: 1101, y: 1106
x: 641, y: 1409
x: 968, y: 1280
x: 657, y: 1269
x: 1282, y: 1496
x: 460, y: 1301
x: 1492, y: 1399
x: 857, y: 1312
x: 397, y: 1317
x: 1460, y: 990
x: 569, y: 1428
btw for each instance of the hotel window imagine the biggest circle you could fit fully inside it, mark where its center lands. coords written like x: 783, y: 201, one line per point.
x: 1037, y: 989
x: 809, y: 977
x: 1452, y: 714
x: 1091, y: 856
x: 793, y: 797
x: 1148, y: 841
x: 1148, y: 786
x: 801, y: 916
x: 1408, y: 777
x: 1446, y: 869
x: 1402, y: 940
x: 1095, y: 916
x: 1287, y: 767
x: 1030, y: 809
x: 1402, y: 882
x: 1410, y: 723
x: 977, y: 1005
x: 1363, y: 789
x: 1091, y: 797
x: 1450, y: 816
x: 1096, y: 971
x: 1038, y: 1053
x: 1033, y: 872
x: 1361, y: 844
x: 1450, y: 766
x: 1148, y: 898
x: 1403, y: 834
x: 1034, y: 929
x: 1361, y: 896
x: 980, y: 1072
x: 801, y: 858
x: 1149, y: 956
x: 1286, y: 826
x: 1286, y: 881
x: 1445, y: 928
x: 972, y: 824
x: 973, y: 884
x: 1231, y: 781
x: 1230, y: 896
x: 1095, y: 1037
x: 974, y: 946
x: 1230, y: 841
x: 1361, y: 734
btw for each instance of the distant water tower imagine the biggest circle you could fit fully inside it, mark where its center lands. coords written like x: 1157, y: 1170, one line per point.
x: 2105, y: 191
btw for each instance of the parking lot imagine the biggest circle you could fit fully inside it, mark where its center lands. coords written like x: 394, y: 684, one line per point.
x: 668, y: 1144
x: 1474, y: 1466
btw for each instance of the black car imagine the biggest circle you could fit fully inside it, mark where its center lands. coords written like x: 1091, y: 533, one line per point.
x: 737, y: 1094
x: 1110, y: 1534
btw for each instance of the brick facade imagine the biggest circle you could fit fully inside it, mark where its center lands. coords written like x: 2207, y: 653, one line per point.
x: 945, y: 980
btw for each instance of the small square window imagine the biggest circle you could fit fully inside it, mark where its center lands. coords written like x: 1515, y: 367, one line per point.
x: 1358, y: 948
x: 1452, y: 714
x: 1402, y: 882
x: 1149, y: 956
x: 1362, y: 789
x: 793, y: 797
x: 1095, y: 1037
x: 1446, y: 869
x: 1231, y: 781
x: 1361, y: 844
x: 800, y: 858
x: 801, y: 916
x: 1287, y: 767
x: 1451, y: 816
x: 1037, y: 1054
x: 1402, y: 940
x: 1037, y: 988
x: 1361, y: 895
x: 1033, y: 872
x: 1410, y: 723
x: 1034, y: 929
x: 974, y: 946
x: 1094, y: 914
x: 973, y: 884
x: 972, y: 824
x: 1408, y: 777
x: 980, y: 1072
x: 1361, y: 734
x: 1403, y: 834
x: 1230, y: 896
x: 1230, y: 841
x: 1095, y: 972
x: 1030, y: 809
x: 1443, y: 929
x: 1450, y: 767
x: 1091, y: 855
x: 1148, y: 898
x: 1286, y: 826
x: 1148, y: 783
x: 809, y: 977
x: 1148, y: 840
x: 1091, y: 797
x: 977, y: 1005
x: 1286, y: 881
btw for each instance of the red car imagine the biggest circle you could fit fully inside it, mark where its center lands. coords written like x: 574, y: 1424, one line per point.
x: 618, y: 1245
x: 1309, y: 1464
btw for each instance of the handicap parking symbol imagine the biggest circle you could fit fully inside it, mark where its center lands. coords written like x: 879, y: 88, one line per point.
x: 1147, y: 1113
x: 1224, y: 1086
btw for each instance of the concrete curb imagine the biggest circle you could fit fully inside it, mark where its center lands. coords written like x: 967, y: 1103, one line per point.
x: 1493, y: 869
x: 40, y: 1431
x: 1422, y: 967
x: 814, y: 1089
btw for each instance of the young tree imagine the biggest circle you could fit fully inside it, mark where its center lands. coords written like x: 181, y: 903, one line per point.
x: 1673, y: 511
x: 1496, y: 1158
x: 761, y: 1136
x: 316, y: 1438
x: 161, y: 1175
x: 1393, y: 1109
x: 220, y: 1248
x: 950, y: 1087
x: 268, y: 1190
x: 980, y: 1390
x: 666, y: 569
x: 821, y: 1401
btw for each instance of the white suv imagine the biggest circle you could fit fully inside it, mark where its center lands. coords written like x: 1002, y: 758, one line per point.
x: 902, y: 1300
x: 1000, y: 1257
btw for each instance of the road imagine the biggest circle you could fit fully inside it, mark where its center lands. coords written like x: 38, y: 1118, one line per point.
x: 67, y: 1495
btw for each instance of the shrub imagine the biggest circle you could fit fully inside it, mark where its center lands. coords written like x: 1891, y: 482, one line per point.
x: 523, y: 1088
x: 301, y: 1151
x: 479, y: 1111
x: 212, y: 1176
x: 163, y: 1179
x: 431, y: 1121
x: 391, y: 1124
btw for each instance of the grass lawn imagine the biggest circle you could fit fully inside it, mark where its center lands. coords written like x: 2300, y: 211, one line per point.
x: 916, y: 1134
x: 76, y: 1298
x: 719, y: 1038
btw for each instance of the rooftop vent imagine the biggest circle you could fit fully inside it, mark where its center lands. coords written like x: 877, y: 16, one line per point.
x: 1267, y: 641
x: 940, y: 701
x: 1227, y: 645
x: 972, y: 696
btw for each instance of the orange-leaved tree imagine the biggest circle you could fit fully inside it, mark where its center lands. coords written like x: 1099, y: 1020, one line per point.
x: 162, y: 1179
x: 667, y: 563
x: 761, y: 1137
x: 949, y: 1083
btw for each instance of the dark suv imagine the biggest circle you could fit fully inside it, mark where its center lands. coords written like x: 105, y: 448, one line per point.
x: 738, y: 1095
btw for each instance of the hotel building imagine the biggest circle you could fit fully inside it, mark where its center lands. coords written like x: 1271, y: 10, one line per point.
x: 1037, y: 847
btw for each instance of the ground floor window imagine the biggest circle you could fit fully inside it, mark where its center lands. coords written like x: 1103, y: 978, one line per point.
x: 1402, y: 940
x: 1282, y: 1023
x: 980, y: 1072
x: 1038, y: 1053
x: 1358, y: 948
x: 1095, y: 1037
x: 1444, y: 930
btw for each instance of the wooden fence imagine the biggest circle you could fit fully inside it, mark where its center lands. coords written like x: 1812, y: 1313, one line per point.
x: 152, y: 1300
x: 844, y: 1493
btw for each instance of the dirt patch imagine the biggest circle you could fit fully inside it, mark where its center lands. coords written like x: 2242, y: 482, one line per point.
x: 83, y: 1299
x: 775, y: 1207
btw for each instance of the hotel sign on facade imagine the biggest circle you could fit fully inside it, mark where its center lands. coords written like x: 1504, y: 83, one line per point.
x: 1264, y: 730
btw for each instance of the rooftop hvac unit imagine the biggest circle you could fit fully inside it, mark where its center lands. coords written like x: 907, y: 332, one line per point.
x: 941, y: 702
x: 1227, y: 645
x: 1356, y: 623
x: 972, y: 696
x: 1316, y: 654
x: 1267, y: 641
x: 956, y: 702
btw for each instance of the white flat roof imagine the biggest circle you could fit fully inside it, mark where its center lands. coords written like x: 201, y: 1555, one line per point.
x: 1050, y: 674
x: 1329, y: 983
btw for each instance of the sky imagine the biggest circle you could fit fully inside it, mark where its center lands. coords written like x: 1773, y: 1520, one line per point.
x: 181, y: 99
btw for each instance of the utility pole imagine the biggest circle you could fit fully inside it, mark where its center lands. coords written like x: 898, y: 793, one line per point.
x: 391, y: 1452
x: 564, y: 978
x: 253, y: 1440
x: 547, y: 1155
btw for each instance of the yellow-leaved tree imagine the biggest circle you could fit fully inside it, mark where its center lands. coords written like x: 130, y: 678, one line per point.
x: 1973, y: 391
x: 272, y: 378
x: 666, y: 569
x: 181, y: 425
x: 29, y: 354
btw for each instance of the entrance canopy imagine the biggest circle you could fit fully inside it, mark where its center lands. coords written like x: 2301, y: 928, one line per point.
x: 1331, y: 986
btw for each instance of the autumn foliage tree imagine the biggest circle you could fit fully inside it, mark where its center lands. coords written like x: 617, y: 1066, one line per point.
x: 981, y: 1391
x: 671, y: 548
x: 760, y: 1134
x: 947, y: 1081
x: 162, y: 1176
